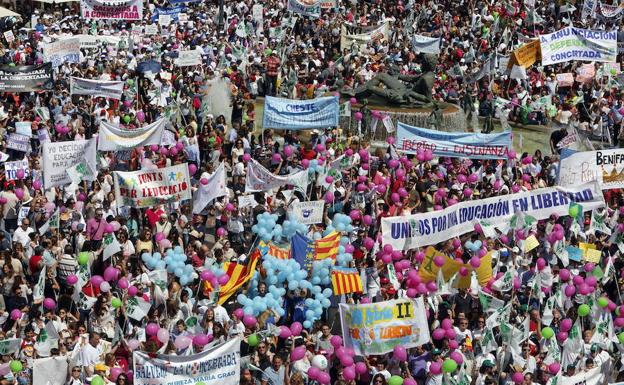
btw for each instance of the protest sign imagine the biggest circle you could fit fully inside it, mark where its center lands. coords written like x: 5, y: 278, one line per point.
x: 572, y: 43
x: 18, y: 142
x: 426, y: 44
x: 328, y: 4
x: 26, y: 78
x: 310, y: 8
x: 586, y: 377
x: 113, y: 138
x: 429, y: 271
x: 112, y: 9
x: 407, y: 232
x: 188, y: 58
x: 565, y: 79
x: 586, y: 73
x: 527, y: 55
x: 152, y: 187
x: 96, y: 41
x: 609, y: 11
x: 453, y: 144
x: 62, y: 51
x: 260, y: 179
x: 59, y: 156
x: 350, y: 35
x: 605, y: 167
x: 9, y: 36
x: 376, y: 328
x: 9, y: 346
x: 172, y: 12
x: 23, y: 128
x: 219, y: 365
x: 93, y: 87
x: 247, y: 201
x: 43, y: 135
x: 50, y: 371
x: 10, y: 169
x: 289, y: 114
x: 151, y: 29
x: 214, y: 187
x: 308, y: 213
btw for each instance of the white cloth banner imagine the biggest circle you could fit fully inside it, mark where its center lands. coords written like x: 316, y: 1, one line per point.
x: 113, y: 138
x: 50, y: 371
x: 92, y: 87
x: 347, y: 40
x: 112, y: 9
x: 219, y: 365
x: 260, y: 179
x: 62, y: 51
x: 152, y: 187
x: 426, y: 44
x: 411, y: 231
x: 59, y: 156
x: 589, y: 377
x: 605, y: 167
x: 188, y: 58
x: 95, y: 41
x: 215, y: 188
x: 572, y: 43
x: 308, y: 213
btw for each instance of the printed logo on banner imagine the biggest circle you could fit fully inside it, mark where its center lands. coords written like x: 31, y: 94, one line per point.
x: 309, y: 213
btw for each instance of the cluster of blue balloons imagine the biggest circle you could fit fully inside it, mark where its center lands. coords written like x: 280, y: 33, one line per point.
x: 345, y: 252
x: 176, y: 264
x: 267, y: 227
x: 288, y: 273
x: 340, y: 222
x: 291, y: 226
x: 314, y: 166
x: 321, y: 272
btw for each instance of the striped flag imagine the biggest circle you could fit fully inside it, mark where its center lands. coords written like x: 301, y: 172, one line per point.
x: 239, y: 275
x: 346, y: 281
x: 327, y: 247
x: 273, y: 250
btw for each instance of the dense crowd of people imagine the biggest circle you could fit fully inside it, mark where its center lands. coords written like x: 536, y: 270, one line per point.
x: 542, y: 316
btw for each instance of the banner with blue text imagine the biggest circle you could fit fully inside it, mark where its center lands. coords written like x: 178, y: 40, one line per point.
x: 218, y: 365
x: 408, y: 232
x: 289, y: 114
x: 572, y: 43
x: 410, y: 139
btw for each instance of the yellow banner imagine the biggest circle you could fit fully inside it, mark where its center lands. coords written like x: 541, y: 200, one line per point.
x: 429, y: 270
x: 527, y: 55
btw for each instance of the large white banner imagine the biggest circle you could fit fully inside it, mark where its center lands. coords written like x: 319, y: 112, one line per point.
x: 95, y: 41
x: 347, y: 39
x: 308, y: 213
x: 605, y: 167
x: 59, y: 156
x: 376, y: 328
x: 411, y: 231
x: 260, y: 179
x: 426, y: 44
x: 112, y: 9
x: 62, y: 51
x: 50, y: 371
x: 93, y: 87
x: 310, y: 8
x: 586, y: 377
x: 188, y: 58
x: 572, y: 43
x: 215, y: 188
x: 152, y: 187
x: 113, y: 138
x: 219, y: 365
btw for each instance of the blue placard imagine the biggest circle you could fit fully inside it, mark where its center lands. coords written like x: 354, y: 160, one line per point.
x: 574, y: 253
x: 173, y: 12
x: 289, y: 114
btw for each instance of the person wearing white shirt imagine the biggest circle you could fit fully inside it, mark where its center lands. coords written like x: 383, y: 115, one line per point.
x: 21, y: 233
x: 221, y: 315
x: 89, y: 353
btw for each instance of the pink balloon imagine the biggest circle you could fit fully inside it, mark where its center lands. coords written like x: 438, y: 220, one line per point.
x: 132, y: 291
x: 123, y: 283
x: 16, y: 314
x: 162, y: 335
x: 182, y: 342
x: 249, y: 321
x: 285, y: 332
x: 221, y: 232
x: 360, y: 368
x: 296, y: 328
x: 201, y: 340
x: 438, y: 334
x: 115, y: 372
x: 72, y: 279
x: 223, y: 279
x: 152, y: 329
x: 435, y: 367
x: 313, y: 372
x: 517, y: 377
x: 358, y: 116
x: 192, y: 169
x: 159, y: 236
x: 399, y: 353
x: 349, y: 373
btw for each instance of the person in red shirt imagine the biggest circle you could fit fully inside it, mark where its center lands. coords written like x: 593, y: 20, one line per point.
x: 153, y: 215
x: 272, y: 70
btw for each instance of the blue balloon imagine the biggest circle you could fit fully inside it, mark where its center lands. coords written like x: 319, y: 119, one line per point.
x: 307, y: 324
x: 248, y: 310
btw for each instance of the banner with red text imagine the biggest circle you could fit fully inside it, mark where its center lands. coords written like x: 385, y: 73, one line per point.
x: 112, y: 9
x: 152, y: 187
x: 410, y: 139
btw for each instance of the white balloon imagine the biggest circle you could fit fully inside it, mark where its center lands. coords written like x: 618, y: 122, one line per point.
x: 319, y: 361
